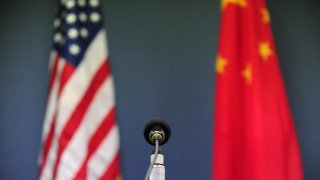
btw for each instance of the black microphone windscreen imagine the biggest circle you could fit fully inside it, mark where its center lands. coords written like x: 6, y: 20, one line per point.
x: 159, y: 124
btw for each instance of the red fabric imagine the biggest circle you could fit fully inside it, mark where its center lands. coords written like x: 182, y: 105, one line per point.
x: 254, y: 135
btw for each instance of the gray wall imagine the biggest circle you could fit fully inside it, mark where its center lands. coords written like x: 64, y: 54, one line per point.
x: 162, y: 54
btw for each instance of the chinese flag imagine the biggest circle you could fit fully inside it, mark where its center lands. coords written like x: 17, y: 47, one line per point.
x: 254, y: 134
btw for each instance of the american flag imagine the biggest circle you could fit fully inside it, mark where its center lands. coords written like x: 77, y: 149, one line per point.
x: 80, y: 138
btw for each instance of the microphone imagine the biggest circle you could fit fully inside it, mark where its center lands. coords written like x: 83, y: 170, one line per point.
x: 157, y: 129
x: 156, y: 132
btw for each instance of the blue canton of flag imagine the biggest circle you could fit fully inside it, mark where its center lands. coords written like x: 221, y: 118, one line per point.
x: 75, y: 27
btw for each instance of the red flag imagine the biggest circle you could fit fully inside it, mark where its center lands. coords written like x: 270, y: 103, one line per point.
x: 80, y: 137
x: 254, y: 135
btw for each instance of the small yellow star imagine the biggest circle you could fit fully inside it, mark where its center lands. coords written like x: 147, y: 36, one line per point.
x: 220, y: 64
x: 247, y: 74
x: 241, y: 3
x: 265, y: 50
x: 265, y: 16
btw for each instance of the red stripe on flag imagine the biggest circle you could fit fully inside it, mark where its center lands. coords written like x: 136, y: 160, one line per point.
x: 112, y: 171
x: 100, y: 134
x: 53, y: 71
x: 47, y: 145
x: 77, y: 115
x: 67, y: 71
x: 65, y: 75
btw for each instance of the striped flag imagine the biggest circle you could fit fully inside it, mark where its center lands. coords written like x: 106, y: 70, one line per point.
x: 80, y: 137
x: 254, y: 136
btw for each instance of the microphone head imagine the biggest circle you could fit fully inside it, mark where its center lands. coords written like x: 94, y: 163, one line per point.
x: 157, y: 129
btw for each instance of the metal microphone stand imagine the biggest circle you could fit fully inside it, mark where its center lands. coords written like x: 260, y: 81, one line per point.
x: 156, y: 169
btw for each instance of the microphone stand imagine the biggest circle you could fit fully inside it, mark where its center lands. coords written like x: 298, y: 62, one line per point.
x: 156, y: 169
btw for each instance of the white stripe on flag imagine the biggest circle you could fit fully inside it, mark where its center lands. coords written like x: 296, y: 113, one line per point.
x: 52, y: 101
x: 50, y: 111
x: 104, y: 155
x: 47, y: 171
x: 51, y: 107
x: 75, y: 153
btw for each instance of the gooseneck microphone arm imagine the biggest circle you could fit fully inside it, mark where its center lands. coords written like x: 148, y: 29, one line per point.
x: 156, y: 132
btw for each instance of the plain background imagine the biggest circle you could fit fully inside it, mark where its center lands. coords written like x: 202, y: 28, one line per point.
x: 162, y: 55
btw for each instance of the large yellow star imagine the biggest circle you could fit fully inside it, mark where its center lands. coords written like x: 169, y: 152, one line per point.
x: 247, y: 74
x: 265, y: 50
x: 241, y: 3
x: 220, y: 64
x: 265, y: 16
